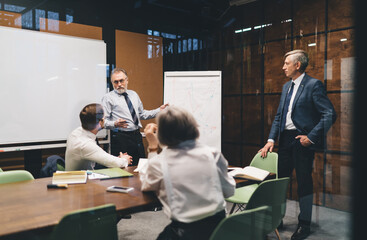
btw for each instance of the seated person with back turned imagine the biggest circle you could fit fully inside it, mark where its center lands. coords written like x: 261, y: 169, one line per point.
x: 189, y: 178
x: 82, y: 151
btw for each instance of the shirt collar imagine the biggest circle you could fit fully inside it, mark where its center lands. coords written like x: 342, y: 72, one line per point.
x: 89, y: 134
x: 299, y: 79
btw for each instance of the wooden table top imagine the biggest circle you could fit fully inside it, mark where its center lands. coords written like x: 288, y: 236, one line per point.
x: 29, y: 205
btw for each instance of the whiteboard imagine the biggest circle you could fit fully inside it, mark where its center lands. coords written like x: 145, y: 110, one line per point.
x: 199, y: 92
x: 45, y: 81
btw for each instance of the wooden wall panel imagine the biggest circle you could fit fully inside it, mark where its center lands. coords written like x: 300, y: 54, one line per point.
x: 248, y: 154
x: 231, y: 119
x: 341, y: 60
x: 251, y: 120
x: 340, y: 14
x: 271, y: 103
x: 340, y: 135
x: 232, y: 152
x: 278, y: 14
x: 231, y: 40
x: 10, y: 19
x: 141, y: 56
x: 318, y: 178
x: 316, y: 54
x: 251, y: 18
x: 231, y: 71
x: 251, y: 69
x: 338, y: 181
x: 274, y: 77
x: 309, y: 16
x: 215, y: 60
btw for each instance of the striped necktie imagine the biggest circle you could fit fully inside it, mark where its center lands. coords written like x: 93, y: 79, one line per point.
x: 285, y: 108
x: 131, y: 108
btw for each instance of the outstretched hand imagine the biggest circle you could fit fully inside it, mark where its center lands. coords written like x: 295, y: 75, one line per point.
x: 163, y: 106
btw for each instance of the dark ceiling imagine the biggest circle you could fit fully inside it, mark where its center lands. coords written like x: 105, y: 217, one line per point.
x: 175, y: 16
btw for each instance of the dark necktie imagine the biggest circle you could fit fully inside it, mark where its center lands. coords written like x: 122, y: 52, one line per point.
x: 131, y: 108
x: 285, y: 108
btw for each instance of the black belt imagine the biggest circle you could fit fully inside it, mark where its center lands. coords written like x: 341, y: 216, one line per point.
x: 137, y: 131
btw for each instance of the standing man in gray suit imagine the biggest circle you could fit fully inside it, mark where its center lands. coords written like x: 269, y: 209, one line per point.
x: 304, y: 116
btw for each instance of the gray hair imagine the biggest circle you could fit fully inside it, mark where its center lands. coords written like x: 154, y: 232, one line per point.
x: 299, y: 56
x: 176, y: 125
x: 118, y: 69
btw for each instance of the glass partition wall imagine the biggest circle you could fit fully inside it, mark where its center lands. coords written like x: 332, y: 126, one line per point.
x: 247, y: 43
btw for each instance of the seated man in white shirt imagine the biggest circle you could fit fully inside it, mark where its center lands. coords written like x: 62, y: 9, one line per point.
x: 189, y: 178
x: 82, y: 151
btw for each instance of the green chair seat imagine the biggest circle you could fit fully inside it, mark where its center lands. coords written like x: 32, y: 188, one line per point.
x: 242, y: 195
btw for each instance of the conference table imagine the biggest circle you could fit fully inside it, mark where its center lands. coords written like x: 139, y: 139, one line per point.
x: 29, y: 207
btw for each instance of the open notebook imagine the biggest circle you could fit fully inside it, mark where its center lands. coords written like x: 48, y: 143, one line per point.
x: 249, y: 172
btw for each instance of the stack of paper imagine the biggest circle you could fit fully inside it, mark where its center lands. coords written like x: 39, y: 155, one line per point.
x: 69, y: 177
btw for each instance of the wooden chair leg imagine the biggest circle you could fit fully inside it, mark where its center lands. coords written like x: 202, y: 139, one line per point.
x: 277, y: 233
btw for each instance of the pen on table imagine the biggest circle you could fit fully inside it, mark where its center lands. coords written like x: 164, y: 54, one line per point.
x: 111, y: 178
x: 57, y: 186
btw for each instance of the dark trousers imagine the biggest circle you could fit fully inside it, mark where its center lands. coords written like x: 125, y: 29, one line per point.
x: 292, y: 155
x: 198, y: 230
x: 129, y: 142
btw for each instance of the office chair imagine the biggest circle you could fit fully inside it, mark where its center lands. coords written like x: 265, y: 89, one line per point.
x: 242, y: 195
x: 272, y: 193
x: 90, y: 223
x: 246, y: 225
x: 15, y: 176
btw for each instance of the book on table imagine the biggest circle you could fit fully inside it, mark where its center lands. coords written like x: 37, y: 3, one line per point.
x: 249, y: 172
x: 69, y: 177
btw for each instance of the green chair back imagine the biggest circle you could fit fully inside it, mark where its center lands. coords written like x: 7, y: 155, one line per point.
x: 15, y: 176
x: 1, y: 170
x: 272, y: 193
x: 269, y: 163
x: 243, y: 225
x: 90, y: 223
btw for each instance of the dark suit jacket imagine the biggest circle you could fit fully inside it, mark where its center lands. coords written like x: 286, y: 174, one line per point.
x: 312, y: 112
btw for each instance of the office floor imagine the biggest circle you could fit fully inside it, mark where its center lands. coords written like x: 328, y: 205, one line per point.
x: 327, y: 224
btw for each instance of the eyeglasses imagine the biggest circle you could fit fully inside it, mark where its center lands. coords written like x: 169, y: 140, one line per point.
x: 119, y: 81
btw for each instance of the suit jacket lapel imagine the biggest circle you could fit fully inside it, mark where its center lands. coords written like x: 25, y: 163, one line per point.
x: 299, y: 91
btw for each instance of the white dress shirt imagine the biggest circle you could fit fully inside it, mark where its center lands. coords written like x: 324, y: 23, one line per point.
x: 115, y: 107
x: 288, y: 121
x: 82, y: 152
x: 191, y: 181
